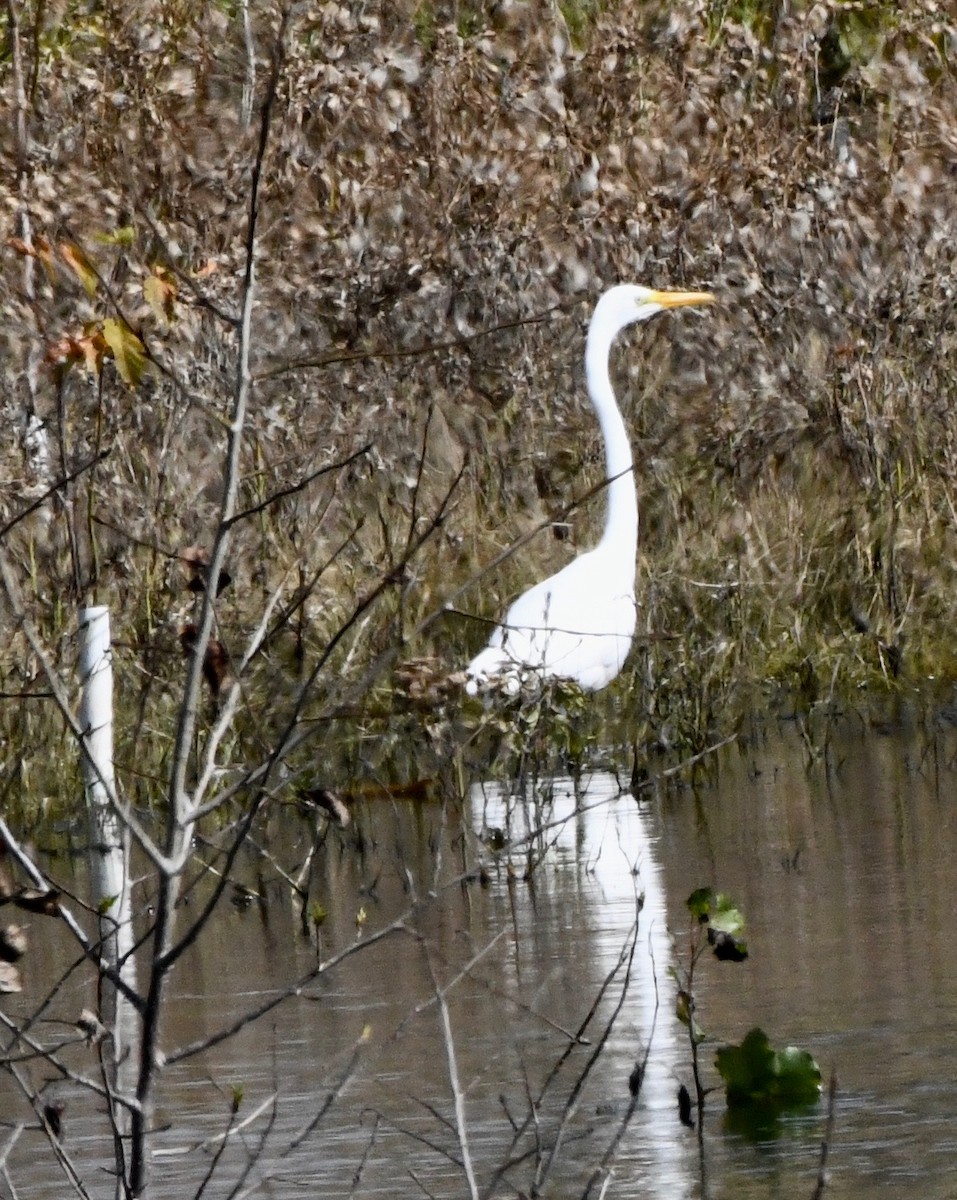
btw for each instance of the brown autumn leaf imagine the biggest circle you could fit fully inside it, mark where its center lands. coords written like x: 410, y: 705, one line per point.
x: 88, y: 349
x: 195, y: 562
x: 216, y: 669
x: 21, y: 247
x: 330, y: 803
x: 160, y: 291
x: 40, y: 250
x: 46, y: 255
x: 93, y: 347
x: 81, y: 265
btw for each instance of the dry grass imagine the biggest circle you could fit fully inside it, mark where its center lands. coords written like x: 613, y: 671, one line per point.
x: 442, y: 205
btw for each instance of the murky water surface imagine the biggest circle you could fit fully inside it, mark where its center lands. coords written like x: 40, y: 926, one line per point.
x: 842, y: 865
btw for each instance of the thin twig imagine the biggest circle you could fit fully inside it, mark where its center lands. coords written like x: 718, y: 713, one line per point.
x: 333, y: 1094
x: 287, y: 993
x: 61, y: 695
x: 461, y: 1127
x: 536, y: 1104
x: 330, y: 360
x: 180, y: 804
x: 249, y: 81
x: 357, y: 1174
x: 603, y: 1170
x: 90, y: 949
x: 300, y: 485
x: 626, y: 957
x: 53, y: 489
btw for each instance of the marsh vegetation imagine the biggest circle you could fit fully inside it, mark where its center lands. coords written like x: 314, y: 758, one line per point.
x: 294, y: 304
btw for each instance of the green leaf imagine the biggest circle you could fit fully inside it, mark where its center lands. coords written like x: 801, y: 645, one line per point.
x: 861, y: 36
x: 129, y: 353
x: 124, y: 235
x: 754, y: 1073
x: 725, y: 923
x: 725, y: 916
x: 106, y: 904
x: 684, y: 1011
x: 700, y: 902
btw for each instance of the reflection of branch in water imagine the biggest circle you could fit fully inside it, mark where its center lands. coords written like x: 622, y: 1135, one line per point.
x: 547, y: 1158
x: 635, y: 1081
x: 826, y: 1141
x: 627, y: 955
x: 559, y: 823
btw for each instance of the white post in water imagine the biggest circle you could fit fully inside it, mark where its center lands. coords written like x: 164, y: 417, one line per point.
x: 109, y: 841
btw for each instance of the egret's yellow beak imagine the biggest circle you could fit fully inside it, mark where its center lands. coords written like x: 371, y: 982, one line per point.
x: 679, y: 299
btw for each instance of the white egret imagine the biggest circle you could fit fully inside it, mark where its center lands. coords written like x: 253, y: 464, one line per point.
x: 578, y: 624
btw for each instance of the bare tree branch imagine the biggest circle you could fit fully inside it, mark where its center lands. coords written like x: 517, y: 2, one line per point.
x: 461, y: 1125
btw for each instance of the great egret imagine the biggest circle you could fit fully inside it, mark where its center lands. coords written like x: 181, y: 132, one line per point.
x: 578, y: 624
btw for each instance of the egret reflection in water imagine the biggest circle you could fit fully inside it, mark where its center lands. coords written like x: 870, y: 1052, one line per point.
x: 581, y: 840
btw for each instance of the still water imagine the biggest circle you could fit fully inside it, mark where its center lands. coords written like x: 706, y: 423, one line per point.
x: 537, y: 991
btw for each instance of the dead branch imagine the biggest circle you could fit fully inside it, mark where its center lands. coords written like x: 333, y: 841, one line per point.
x: 461, y: 1126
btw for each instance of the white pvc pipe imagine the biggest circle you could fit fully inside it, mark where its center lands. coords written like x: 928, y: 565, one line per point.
x: 96, y: 718
x: 109, y: 846
x: 109, y: 856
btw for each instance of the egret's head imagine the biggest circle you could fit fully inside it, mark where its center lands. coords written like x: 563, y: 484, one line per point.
x: 627, y: 303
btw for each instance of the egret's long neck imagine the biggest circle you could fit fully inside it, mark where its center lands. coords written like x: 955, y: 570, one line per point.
x: 621, y: 520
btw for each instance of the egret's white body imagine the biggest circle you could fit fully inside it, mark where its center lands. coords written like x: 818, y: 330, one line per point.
x: 579, y: 623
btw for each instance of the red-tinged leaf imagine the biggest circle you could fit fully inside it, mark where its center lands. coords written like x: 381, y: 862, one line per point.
x: 80, y: 264
x: 64, y: 351
x: 160, y: 293
x: 45, y: 254
x: 194, y: 561
x: 129, y: 353
x: 93, y: 349
x: 89, y: 350
x: 40, y: 250
x: 21, y: 247
x: 216, y: 669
